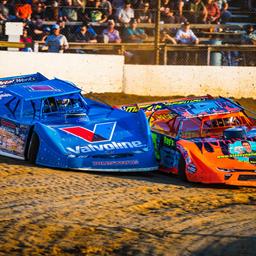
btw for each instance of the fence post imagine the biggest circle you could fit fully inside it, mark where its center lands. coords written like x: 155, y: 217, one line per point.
x: 208, y: 55
x: 165, y: 54
x: 157, y: 31
x: 36, y: 46
x: 122, y: 50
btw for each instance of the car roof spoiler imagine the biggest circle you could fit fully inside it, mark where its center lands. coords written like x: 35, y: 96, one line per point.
x: 12, y: 80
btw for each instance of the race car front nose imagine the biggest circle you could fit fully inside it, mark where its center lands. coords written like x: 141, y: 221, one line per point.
x: 133, y: 161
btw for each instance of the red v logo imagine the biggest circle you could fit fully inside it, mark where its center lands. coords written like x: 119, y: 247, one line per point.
x: 100, y: 132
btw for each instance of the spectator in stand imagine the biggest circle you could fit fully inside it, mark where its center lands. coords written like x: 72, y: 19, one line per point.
x: 27, y: 40
x: 79, y: 3
x: 56, y: 42
x: 110, y: 34
x: 225, y: 15
x: 95, y: 14
x: 166, y: 4
x: 117, y: 4
x: 197, y: 12
x: 52, y: 11
x: 69, y: 11
x: 144, y: 15
x: 4, y: 10
x: 213, y: 12
x: 67, y: 31
x: 38, y: 11
x: 45, y: 34
x: 84, y: 36
x: 250, y: 36
x: 36, y: 27
x: 167, y: 16
x: 126, y: 13
x: 107, y: 7
x: 185, y: 35
x: 23, y: 10
x: 132, y: 34
x: 166, y: 38
x: 176, y: 5
x: 181, y: 5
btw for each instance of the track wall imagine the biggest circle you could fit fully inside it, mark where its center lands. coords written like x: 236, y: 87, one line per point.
x: 190, y: 80
x: 93, y: 73
x: 107, y: 73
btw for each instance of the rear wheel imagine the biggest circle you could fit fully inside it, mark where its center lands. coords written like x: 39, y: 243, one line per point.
x: 33, y: 148
x: 182, y: 169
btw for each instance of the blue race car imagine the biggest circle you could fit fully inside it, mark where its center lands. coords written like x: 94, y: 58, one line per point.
x: 50, y: 123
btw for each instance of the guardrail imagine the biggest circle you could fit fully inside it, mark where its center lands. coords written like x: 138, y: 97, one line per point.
x: 13, y: 44
x: 152, y: 25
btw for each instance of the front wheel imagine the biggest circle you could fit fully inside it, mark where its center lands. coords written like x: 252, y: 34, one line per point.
x: 182, y: 169
x: 33, y: 148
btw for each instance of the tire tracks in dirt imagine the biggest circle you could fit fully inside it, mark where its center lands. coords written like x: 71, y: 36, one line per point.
x: 53, y: 212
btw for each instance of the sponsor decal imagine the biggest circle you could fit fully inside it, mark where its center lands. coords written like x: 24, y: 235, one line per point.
x: 237, y: 155
x: 6, y: 82
x: 106, y: 147
x: 111, y: 163
x: 243, y: 151
x: 8, y: 124
x: 132, y: 108
x: 4, y: 95
x: 42, y: 88
x: 191, y: 168
x: 12, y: 138
x: 169, y: 142
x: 156, y: 141
x: 184, y: 102
x: 101, y: 132
x: 20, y: 80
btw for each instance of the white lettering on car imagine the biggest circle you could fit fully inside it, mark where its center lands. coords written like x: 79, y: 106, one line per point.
x: 108, y: 146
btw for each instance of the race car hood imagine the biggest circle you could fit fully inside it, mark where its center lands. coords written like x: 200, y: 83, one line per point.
x: 112, y: 134
x: 222, y: 154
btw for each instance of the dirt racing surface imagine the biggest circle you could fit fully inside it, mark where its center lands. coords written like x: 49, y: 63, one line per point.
x: 54, y: 212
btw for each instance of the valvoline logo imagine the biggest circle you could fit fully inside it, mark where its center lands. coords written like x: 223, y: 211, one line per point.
x: 100, y: 133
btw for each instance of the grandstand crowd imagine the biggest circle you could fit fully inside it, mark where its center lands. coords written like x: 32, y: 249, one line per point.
x: 58, y: 22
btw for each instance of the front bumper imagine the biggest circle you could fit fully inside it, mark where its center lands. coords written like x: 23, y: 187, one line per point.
x: 240, y: 179
x: 148, y: 169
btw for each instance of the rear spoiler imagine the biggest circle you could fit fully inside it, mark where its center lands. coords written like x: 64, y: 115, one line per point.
x: 7, y: 81
x: 157, y: 105
x: 153, y: 106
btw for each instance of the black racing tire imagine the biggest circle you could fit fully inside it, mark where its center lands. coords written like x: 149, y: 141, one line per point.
x: 182, y: 169
x: 33, y: 148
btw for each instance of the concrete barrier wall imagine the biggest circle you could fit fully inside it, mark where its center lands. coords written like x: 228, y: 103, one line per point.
x: 107, y: 73
x: 96, y: 73
x: 190, y: 80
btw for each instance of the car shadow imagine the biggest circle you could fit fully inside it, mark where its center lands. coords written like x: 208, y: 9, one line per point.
x: 165, y: 178
x: 156, y: 177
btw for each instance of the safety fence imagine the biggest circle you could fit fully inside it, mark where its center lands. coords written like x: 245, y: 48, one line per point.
x: 214, y: 55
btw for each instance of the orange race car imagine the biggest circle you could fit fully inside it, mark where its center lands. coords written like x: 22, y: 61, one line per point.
x: 203, y: 139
